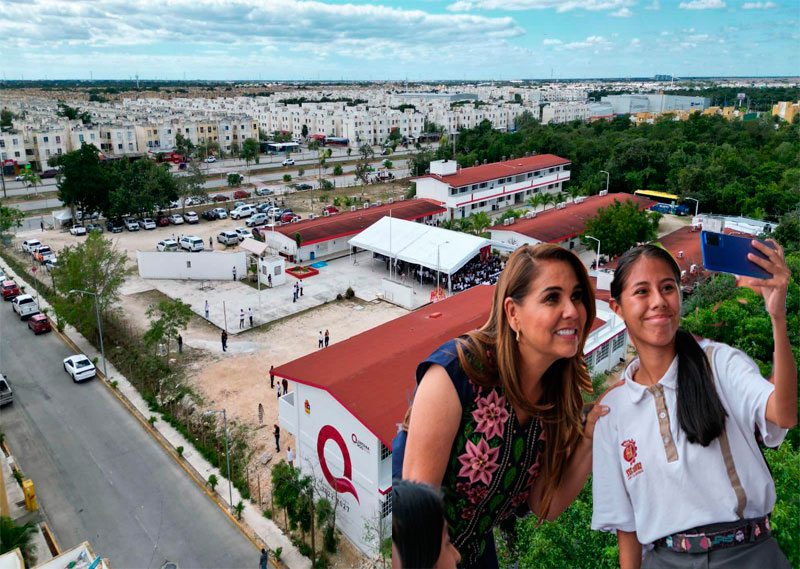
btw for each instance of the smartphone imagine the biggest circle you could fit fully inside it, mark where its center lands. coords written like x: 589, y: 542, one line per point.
x: 728, y: 254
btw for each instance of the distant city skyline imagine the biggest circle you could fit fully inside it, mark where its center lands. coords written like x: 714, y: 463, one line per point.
x: 380, y: 40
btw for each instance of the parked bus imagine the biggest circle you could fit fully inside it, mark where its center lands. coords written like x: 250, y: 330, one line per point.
x: 667, y: 203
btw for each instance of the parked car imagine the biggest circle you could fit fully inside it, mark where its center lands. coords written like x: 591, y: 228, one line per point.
x: 19, y: 179
x: 288, y: 162
x: 220, y: 212
x: 131, y: 224
x: 331, y: 209
x: 243, y: 211
x: 304, y: 186
x: 42, y: 252
x: 6, y: 395
x: 51, y: 263
x: 191, y: 217
x: 209, y: 215
x: 191, y: 243
x: 194, y: 200
x: 274, y: 212
x: 174, y: 203
x: 210, y: 160
x: 25, y: 306
x: 79, y: 368
x: 264, y: 192
x: 77, y: 230
x: 167, y: 245
x: 219, y: 198
x: 147, y: 224
x: 31, y: 245
x: 289, y: 217
x: 162, y: 220
x: 228, y: 238
x: 240, y: 194
x: 243, y: 233
x: 39, y: 323
x: 238, y: 204
x: 10, y: 290
x: 49, y: 174
x: 256, y: 219
x: 176, y: 219
x: 94, y: 227
x: 115, y: 225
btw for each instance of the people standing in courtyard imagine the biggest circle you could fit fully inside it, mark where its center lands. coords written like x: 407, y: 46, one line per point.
x: 279, y: 391
x: 206, y: 307
x: 294, y: 293
x: 290, y: 456
x: 210, y: 242
x: 234, y: 272
x: 300, y: 287
x: 271, y: 377
x: 327, y: 337
x: 180, y: 344
x: 320, y: 340
x: 285, y: 383
x: 241, y: 318
x: 41, y: 224
x: 224, y: 341
x: 269, y: 281
x: 250, y: 315
x: 277, y: 438
x: 264, y: 559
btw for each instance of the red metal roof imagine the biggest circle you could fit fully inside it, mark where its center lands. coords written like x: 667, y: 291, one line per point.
x: 486, y: 172
x: 352, y: 222
x: 555, y: 225
x: 372, y: 374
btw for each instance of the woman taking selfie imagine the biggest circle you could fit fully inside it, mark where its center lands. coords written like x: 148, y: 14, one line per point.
x: 487, y: 402
x: 676, y: 462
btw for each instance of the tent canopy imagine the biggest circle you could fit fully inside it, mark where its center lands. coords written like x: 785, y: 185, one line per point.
x: 420, y: 244
x: 61, y: 217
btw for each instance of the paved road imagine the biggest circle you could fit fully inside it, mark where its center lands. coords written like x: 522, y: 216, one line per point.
x: 98, y: 475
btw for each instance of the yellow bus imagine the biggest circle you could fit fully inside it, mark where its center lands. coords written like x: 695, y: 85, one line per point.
x: 665, y: 201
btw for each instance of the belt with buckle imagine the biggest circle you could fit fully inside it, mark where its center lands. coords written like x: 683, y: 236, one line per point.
x: 693, y: 542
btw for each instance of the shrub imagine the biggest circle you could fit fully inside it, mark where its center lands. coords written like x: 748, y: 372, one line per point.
x: 114, y: 384
x: 180, y: 451
x: 304, y: 549
x: 213, y: 481
x: 152, y: 419
x: 268, y: 514
x: 278, y: 552
x: 239, y: 508
x: 330, y: 540
x: 349, y: 293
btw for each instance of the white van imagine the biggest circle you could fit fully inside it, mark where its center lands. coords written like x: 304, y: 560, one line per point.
x: 191, y: 243
x: 243, y: 211
x: 228, y: 238
x: 25, y: 306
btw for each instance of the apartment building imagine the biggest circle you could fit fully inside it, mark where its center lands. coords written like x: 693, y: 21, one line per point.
x: 491, y: 187
x: 787, y: 110
x: 12, y: 147
x: 48, y: 141
x: 118, y: 139
x: 81, y: 134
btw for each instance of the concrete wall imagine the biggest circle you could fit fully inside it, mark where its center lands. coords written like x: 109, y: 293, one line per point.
x: 398, y: 293
x: 205, y: 265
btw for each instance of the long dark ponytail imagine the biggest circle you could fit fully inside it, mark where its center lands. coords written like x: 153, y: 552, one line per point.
x: 700, y: 411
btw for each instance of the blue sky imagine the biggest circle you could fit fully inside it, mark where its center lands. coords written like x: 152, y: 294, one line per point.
x: 375, y: 40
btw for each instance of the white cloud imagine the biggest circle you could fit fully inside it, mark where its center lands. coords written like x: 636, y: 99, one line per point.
x: 665, y: 33
x: 702, y: 5
x: 622, y: 13
x: 592, y: 42
x: 759, y: 5
x: 655, y: 5
x: 552, y: 42
x: 557, y: 5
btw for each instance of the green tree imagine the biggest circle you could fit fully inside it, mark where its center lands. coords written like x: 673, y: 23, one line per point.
x: 301, y: 172
x: 788, y: 231
x: 6, y: 120
x: 621, y: 226
x: 192, y: 184
x: 84, y: 182
x: 250, y: 153
x: 287, y: 178
x: 235, y: 180
x: 140, y: 187
x: 304, y: 131
x: 95, y: 265
x: 480, y: 221
x: 167, y: 319
x: 13, y: 536
x: 9, y: 217
x: 534, y: 201
x: 183, y: 145
x: 337, y: 170
x: 213, y: 481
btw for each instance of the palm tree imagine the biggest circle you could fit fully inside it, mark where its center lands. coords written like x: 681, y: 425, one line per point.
x: 480, y: 221
x: 465, y: 224
x: 450, y: 224
x: 534, y: 201
x: 548, y: 199
x: 561, y: 197
x: 13, y: 536
x: 574, y: 192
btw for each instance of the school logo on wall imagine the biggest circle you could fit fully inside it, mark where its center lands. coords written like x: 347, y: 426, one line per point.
x: 344, y: 484
x: 629, y: 453
x: 307, y: 407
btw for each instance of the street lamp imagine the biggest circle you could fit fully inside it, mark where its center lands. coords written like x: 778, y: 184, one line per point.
x: 227, y: 455
x: 99, y: 326
x: 696, y: 205
x: 608, y: 179
x: 597, y: 261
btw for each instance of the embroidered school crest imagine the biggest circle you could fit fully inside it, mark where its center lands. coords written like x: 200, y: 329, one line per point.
x: 629, y: 454
x: 629, y: 450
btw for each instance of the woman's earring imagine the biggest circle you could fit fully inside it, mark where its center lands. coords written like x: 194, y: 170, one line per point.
x: 518, y: 336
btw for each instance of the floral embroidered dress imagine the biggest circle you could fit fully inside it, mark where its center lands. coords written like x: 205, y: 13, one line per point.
x: 492, y: 465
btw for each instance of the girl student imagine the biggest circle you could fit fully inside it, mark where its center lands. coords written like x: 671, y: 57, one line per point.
x: 676, y: 462
x: 497, y: 418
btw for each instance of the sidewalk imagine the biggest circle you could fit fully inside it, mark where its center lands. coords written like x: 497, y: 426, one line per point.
x: 253, y: 520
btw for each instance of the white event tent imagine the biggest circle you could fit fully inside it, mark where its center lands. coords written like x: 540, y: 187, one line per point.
x: 431, y: 247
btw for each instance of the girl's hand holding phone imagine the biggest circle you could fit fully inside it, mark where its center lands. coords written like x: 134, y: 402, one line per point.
x: 772, y: 289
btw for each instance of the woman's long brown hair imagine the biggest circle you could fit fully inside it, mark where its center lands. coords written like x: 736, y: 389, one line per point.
x: 490, y: 357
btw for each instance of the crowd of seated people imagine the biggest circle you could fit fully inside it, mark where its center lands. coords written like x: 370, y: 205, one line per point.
x: 475, y: 272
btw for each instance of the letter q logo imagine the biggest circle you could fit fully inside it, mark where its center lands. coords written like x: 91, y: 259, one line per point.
x: 343, y: 485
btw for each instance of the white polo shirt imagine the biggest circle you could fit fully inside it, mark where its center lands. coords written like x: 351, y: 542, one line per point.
x: 648, y: 478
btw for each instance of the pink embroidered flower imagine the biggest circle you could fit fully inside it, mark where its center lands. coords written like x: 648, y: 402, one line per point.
x: 467, y: 513
x: 463, y: 489
x: 479, y: 462
x: 477, y: 493
x: 520, y: 498
x: 491, y: 415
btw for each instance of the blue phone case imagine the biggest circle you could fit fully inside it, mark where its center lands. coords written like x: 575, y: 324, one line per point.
x: 728, y: 254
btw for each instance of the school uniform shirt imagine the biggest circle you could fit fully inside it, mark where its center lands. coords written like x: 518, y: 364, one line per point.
x: 648, y: 478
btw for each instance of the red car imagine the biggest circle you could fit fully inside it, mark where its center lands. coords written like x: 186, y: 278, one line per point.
x: 289, y: 217
x: 39, y: 323
x: 219, y: 198
x: 239, y: 194
x: 162, y: 221
x: 331, y: 209
x: 10, y: 290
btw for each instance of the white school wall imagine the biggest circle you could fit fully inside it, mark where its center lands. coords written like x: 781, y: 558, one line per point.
x: 203, y: 265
